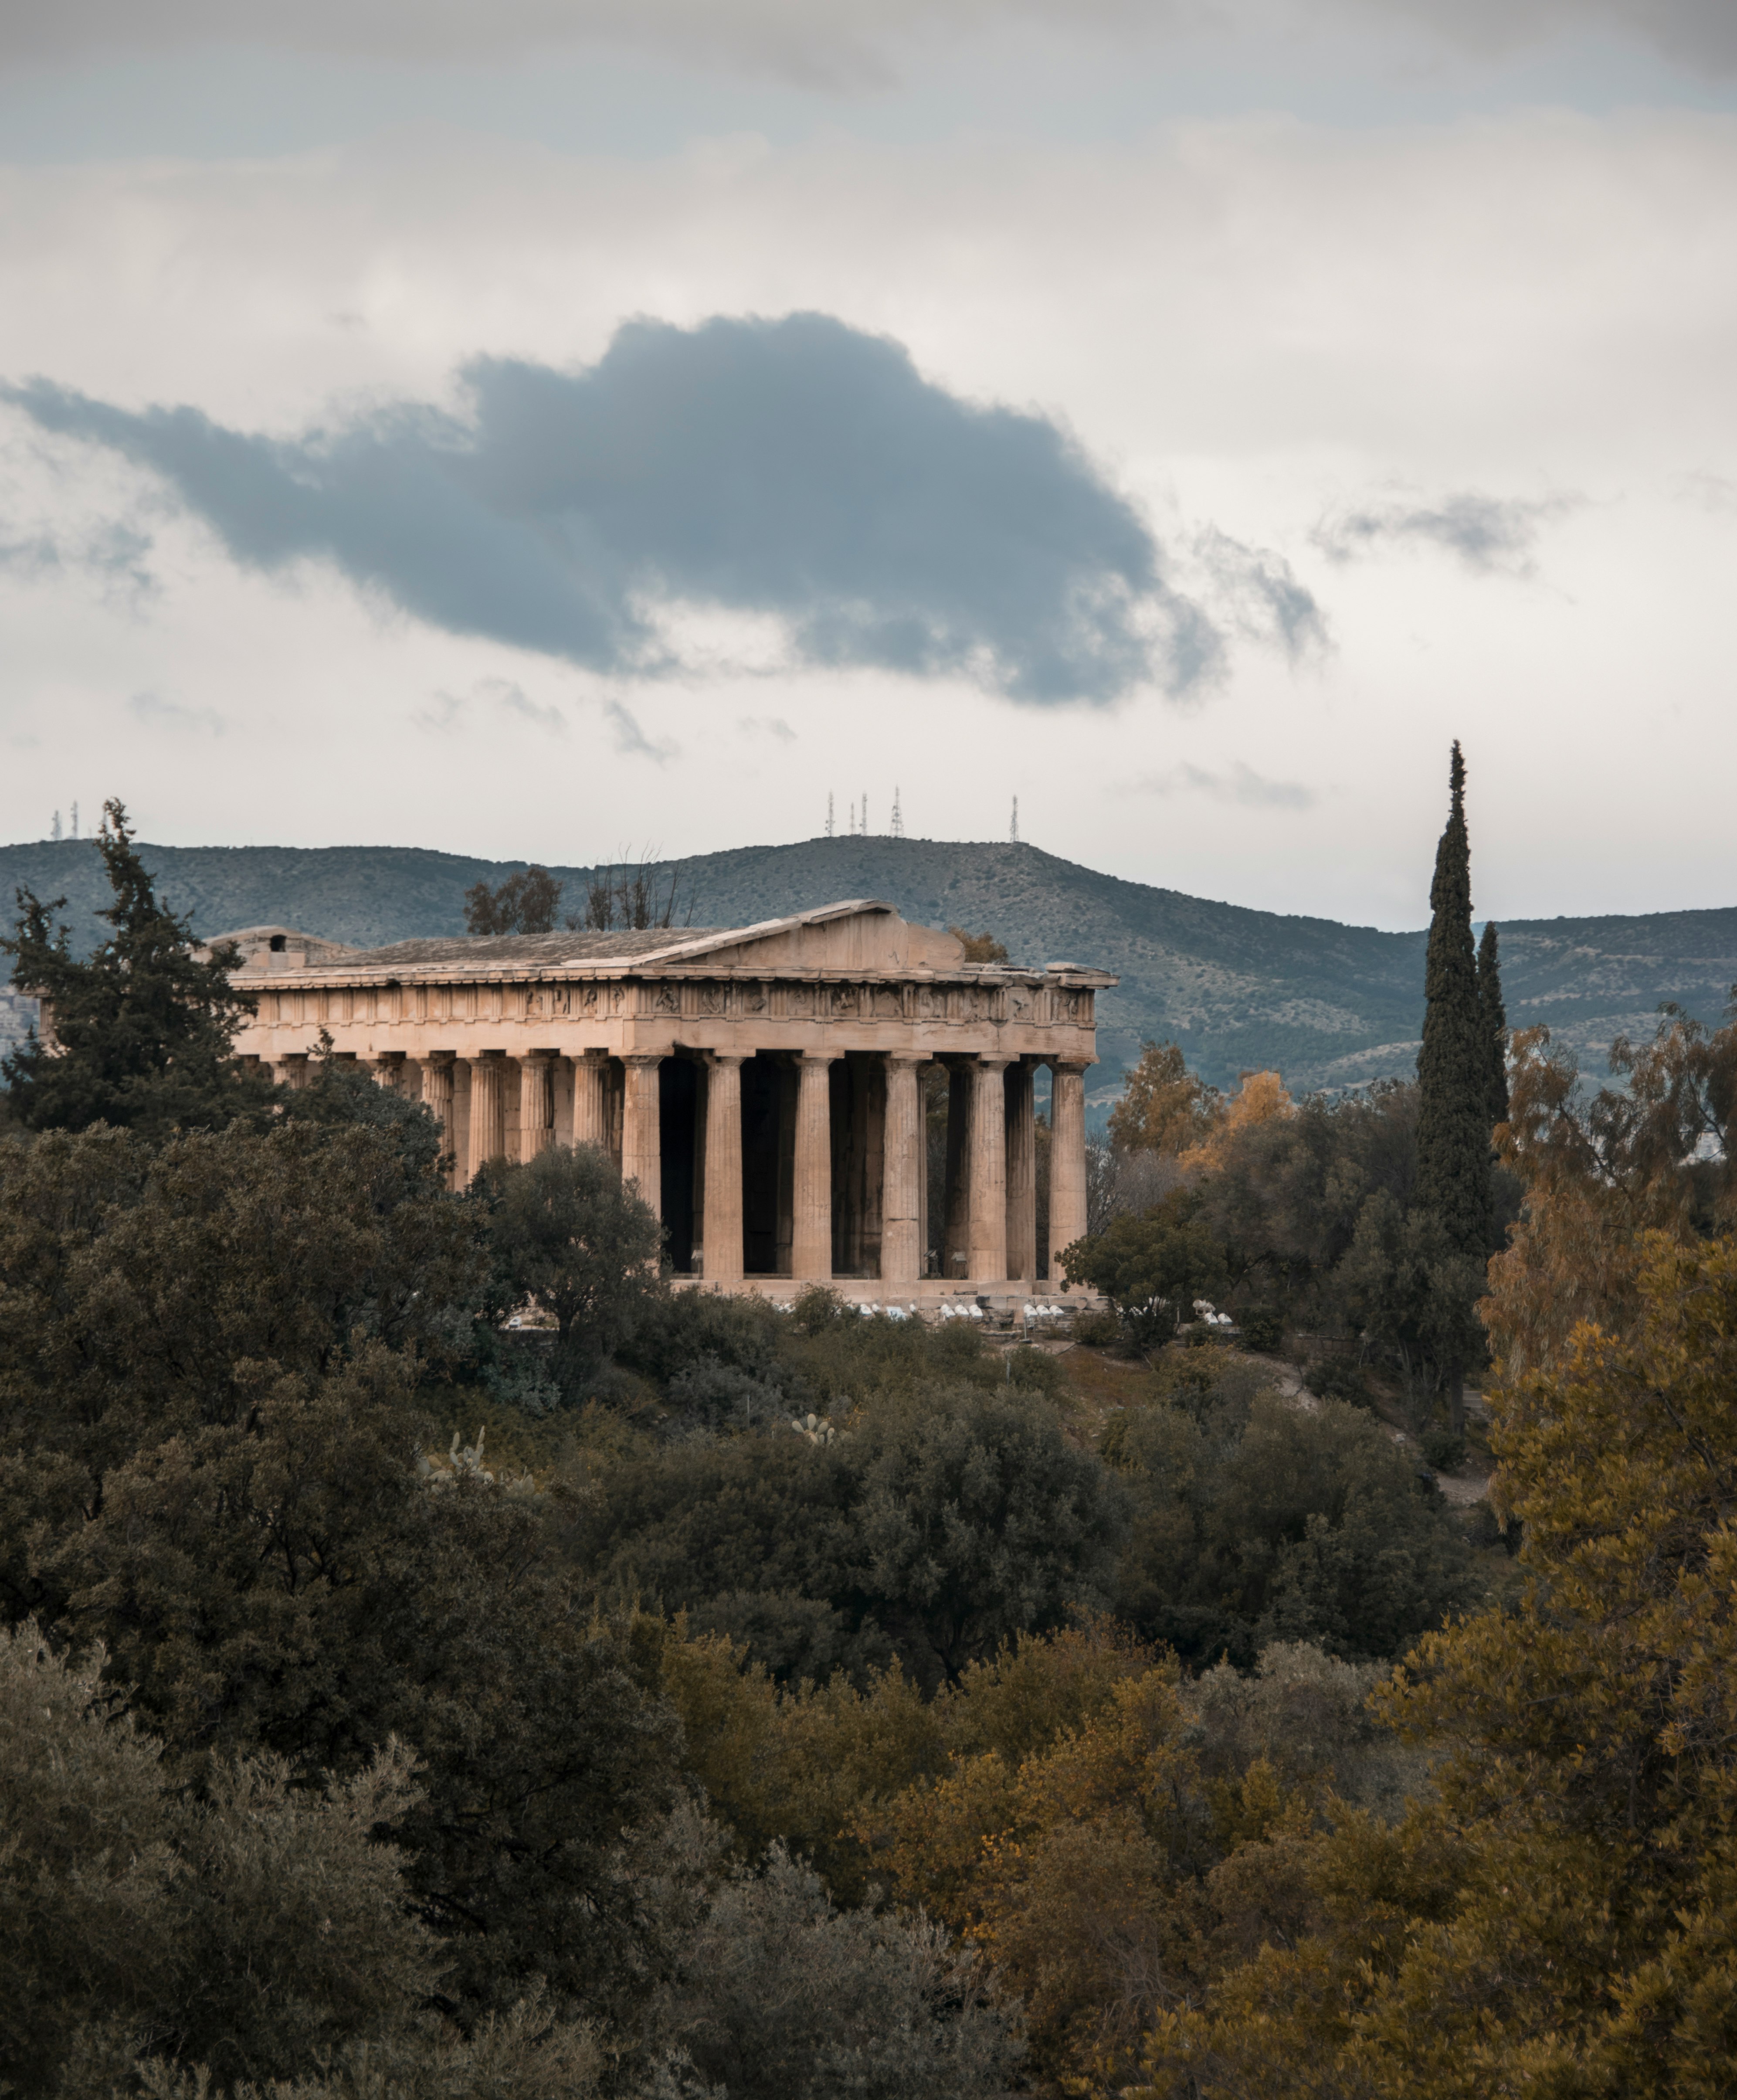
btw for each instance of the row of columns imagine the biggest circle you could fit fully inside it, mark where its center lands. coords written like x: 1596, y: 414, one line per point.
x: 1002, y: 1202
x: 993, y: 1141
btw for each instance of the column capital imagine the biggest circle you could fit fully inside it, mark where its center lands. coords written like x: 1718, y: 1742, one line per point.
x: 440, y: 1056
x: 1074, y: 1064
x: 993, y: 1064
x: 643, y: 1057
x: 726, y: 1057
x: 818, y: 1056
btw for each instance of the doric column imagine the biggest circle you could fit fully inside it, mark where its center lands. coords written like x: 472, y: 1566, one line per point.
x: 488, y: 1127
x: 901, y: 1183
x: 435, y: 1070
x: 437, y: 1089
x: 387, y: 1070
x: 989, y: 1171
x: 721, y: 1233
x: 641, y: 1128
x: 1067, y: 1162
x: 536, y: 1103
x: 956, y: 1214
x: 1022, y: 1175
x: 591, y: 1100
x: 291, y: 1072
x: 811, y: 1222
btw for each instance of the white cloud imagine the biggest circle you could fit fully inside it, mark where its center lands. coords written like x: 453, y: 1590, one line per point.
x: 157, y: 713
x: 1238, y: 784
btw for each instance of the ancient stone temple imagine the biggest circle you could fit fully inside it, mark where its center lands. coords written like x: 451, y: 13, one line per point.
x: 764, y: 1086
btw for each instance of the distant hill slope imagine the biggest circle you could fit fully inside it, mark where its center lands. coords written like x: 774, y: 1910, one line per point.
x: 1327, y: 1004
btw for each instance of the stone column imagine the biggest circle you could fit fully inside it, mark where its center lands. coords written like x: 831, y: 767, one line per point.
x: 989, y: 1171
x: 1022, y: 1175
x: 1067, y: 1162
x: 811, y: 1222
x: 387, y: 1070
x: 955, y: 1216
x: 641, y: 1128
x: 721, y: 1234
x: 436, y: 1089
x: 536, y: 1103
x: 291, y: 1071
x: 488, y: 1134
x: 901, y: 1175
x: 591, y: 1100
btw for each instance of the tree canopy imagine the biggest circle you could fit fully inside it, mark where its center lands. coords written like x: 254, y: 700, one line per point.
x: 527, y: 903
x: 143, y: 1028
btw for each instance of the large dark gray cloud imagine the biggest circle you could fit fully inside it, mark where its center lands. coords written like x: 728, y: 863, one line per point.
x: 794, y: 468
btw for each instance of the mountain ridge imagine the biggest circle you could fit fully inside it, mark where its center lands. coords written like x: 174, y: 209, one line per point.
x: 1327, y: 1004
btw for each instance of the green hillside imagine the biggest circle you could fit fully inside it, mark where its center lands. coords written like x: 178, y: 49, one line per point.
x: 1327, y: 1004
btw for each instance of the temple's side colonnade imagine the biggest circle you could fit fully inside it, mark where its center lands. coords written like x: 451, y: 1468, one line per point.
x: 766, y: 1089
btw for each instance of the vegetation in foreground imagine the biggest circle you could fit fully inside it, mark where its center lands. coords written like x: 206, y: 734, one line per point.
x: 676, y: 1699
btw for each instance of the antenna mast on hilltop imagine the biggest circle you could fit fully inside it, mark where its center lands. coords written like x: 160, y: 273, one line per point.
x: 1013, y: 828
x: 75, y: 820
x: 831, y: 829
x: 865, y: 813
x: 898, y: 816
x: 55, y: 832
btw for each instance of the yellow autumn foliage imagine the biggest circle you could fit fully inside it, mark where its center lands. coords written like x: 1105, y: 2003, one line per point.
x: 1557, y: 1916
x: 1261, y: 1098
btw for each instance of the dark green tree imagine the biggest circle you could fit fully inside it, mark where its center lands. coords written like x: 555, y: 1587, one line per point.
x: 212, y: 1463
x: 1453, y: 1074
x: 1495, y: 1018
x: 524, y: 904
x: 564, y: 1229
x: 1151, y: 1267
x: 141, y: 1030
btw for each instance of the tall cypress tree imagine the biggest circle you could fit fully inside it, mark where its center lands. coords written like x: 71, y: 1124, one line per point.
x: 1494, y: 1016
x: 1453, y: 1069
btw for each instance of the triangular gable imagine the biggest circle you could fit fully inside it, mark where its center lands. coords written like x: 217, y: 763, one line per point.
x: 864, y: 934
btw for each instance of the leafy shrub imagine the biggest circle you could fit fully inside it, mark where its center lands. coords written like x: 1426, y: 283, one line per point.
x: 778, y: 1996
x: 519, y: 1371
x: 679, y: 1330
x: 1098, y: 1330
x: 1254, y: 1522
x: 1340, y: 1376
x: 1263, y: 1331
x: 1443, y: 1449
x: 715, y: 1395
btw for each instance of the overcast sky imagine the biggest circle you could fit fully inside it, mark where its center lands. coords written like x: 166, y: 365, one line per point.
x: 539, y: 428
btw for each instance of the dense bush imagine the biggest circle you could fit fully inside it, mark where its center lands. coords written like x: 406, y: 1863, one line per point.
x: 1256, y: 1521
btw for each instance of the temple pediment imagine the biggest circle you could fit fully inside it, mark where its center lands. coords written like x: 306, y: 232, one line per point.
x: 863, y: 938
